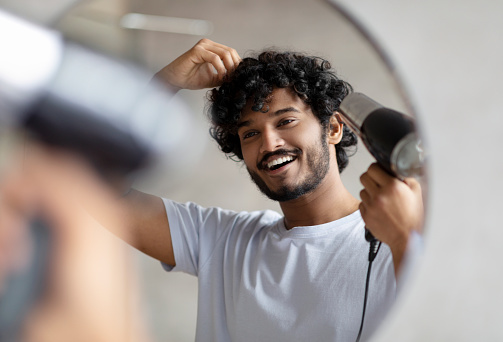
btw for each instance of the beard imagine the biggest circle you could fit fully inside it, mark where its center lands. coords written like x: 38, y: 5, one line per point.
x: 318, y: 158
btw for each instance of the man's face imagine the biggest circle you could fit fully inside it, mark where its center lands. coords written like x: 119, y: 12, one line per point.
x: 285, y: 150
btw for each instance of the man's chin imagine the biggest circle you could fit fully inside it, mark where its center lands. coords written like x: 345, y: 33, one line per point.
x: 284, y: 194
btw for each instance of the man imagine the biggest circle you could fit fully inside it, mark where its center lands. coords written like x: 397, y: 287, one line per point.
x: 265, y: 276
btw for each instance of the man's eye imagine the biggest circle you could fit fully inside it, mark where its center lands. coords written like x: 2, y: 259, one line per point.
x: 285, y: 122
x: 249, y: 135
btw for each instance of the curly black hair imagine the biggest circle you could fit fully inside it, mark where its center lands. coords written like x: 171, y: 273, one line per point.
x: 256, y: 77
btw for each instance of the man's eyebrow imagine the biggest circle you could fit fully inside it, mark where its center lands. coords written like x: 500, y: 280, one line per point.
x: 244, y: 123
x: 285, y: 110
x: 276, y: 113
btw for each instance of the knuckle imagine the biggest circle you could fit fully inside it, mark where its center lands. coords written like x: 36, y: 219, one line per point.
x: 215, y: 59
x: 227, y: 54
x: 197, y: 47
x: 397, y: 189
x: 363, y: 195
x: 361, y: 207
x: 373, y: 167
x: 380, y: 201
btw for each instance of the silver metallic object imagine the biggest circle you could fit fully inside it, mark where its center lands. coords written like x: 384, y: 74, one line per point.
x: 390, y: 136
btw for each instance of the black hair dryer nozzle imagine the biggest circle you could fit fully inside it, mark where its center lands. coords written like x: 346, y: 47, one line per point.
x: 390, y: 136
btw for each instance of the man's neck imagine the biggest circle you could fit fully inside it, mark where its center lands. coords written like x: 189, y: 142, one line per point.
x: 330, y: 201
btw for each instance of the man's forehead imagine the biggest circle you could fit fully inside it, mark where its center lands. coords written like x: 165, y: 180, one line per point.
x: 280, y: 101
x: 248, y: 118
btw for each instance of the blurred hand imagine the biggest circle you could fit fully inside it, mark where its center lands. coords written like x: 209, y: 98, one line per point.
x: 203, y: 66
x: 88, y: 295
x: 391, y: 208
x: 15, y: 241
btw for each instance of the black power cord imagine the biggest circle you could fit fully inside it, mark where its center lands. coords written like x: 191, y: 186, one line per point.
x: 375, y: 245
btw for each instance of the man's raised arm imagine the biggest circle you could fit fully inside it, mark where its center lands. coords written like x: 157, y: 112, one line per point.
x: 203, y: 66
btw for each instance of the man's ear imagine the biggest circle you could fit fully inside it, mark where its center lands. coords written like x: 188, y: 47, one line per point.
x: 335, y: 129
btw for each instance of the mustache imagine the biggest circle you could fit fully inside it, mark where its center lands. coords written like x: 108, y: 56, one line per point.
x: 262, y: 165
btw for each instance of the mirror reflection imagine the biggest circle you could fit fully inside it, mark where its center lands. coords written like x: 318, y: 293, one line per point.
x: 290, y: 261
x: 312, y: 27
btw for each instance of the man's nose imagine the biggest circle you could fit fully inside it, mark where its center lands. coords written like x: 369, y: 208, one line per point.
x: 271, y: 141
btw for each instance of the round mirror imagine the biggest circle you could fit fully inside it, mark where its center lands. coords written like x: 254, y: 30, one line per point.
x: 154, y: 32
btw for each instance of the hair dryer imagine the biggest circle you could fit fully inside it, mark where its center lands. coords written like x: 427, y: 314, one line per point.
x: 108, y: 111
x: 390, y: 136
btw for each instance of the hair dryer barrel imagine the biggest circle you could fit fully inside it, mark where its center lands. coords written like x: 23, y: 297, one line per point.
x: 390, y: 136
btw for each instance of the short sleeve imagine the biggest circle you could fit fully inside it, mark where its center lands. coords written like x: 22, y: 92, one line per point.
x: 195, y: 231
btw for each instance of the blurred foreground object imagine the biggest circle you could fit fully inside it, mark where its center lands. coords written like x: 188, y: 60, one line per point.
x: 79, y: 280
x: 108, y: 111
x: 88, y: 123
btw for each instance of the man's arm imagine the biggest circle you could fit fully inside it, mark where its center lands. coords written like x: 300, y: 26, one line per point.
x: 392, y: 209
x: 203, y: 66
x: 147, y: 227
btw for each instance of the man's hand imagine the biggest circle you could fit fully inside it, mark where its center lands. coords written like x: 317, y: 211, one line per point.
x: 203, y: 66
x: 391, y: 209
x: 75, y: 203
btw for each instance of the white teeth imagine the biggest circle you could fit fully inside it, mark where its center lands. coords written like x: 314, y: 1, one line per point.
x: 280, y: 160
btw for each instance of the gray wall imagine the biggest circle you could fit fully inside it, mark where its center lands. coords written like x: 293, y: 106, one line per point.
x: 450, y: 54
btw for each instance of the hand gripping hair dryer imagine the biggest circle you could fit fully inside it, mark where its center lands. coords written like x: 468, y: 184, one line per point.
x: 390, y: 136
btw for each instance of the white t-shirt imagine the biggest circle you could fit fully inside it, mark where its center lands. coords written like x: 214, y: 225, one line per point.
x: 259, y: 281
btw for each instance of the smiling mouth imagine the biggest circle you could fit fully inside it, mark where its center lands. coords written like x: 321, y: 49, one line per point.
x: 279, y: 162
